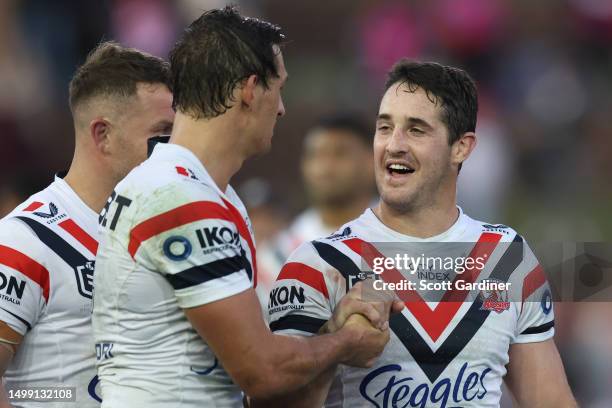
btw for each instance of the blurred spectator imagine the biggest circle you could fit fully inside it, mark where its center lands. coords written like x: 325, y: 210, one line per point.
x: 16, y: 190
x: 337, y: 167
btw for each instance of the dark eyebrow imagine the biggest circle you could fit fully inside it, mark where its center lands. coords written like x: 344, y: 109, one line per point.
x: 411, y: 120
x: 419, y: 122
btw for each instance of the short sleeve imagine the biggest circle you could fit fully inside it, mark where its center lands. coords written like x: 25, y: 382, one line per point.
x: 536, y: 318
x: 299, y: 302
x: 24, y: 279
x: 197, y: 247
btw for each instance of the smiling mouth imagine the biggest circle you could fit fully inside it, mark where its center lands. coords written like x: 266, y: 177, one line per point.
x: 399, y: 169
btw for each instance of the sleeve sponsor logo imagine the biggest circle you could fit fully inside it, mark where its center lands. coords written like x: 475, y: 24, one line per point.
x: 11, y: 288
x: 285, y: 298
x: 386, y: 387
x: 177, y: 248
x: 546, y: 302
x: 213, y: 239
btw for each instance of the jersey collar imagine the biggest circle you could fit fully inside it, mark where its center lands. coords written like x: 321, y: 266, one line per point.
x: 454, y: 232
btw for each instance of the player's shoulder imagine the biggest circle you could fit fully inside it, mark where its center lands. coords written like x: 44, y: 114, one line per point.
x: 503, y: 231
x: 15, y: 233
x: 159, y: 186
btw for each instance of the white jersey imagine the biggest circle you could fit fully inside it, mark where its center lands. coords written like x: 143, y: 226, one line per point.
x: 445, y: 352
x: 306, y: 227
x: 47, y: 253
x: 170, y: 240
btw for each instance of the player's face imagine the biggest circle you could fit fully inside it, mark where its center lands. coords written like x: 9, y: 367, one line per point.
x: 411, y: 150
x: 148, y: 114
x: 270, y: 107
x: 336, y: 166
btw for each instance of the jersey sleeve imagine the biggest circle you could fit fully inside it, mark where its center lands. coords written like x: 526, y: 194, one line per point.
x: 196, y: 245
x: 24, y: 279
x: 536, y: 318
x: 300, y: 300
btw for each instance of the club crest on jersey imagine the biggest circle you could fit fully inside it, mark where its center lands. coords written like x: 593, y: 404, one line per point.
x: 494, y: 300
x: 84, y: 278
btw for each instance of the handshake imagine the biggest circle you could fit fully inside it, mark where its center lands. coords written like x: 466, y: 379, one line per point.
x: 363, y: 326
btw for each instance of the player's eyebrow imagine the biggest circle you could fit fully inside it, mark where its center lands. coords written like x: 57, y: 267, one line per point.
x: 419, y: 122
x: 411, y: 120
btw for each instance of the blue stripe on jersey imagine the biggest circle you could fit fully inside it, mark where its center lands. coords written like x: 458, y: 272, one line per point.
x: 207, y: 272
x: 63, y: 249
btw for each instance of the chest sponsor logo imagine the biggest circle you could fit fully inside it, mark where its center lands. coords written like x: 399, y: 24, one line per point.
x: 11, y: 288
x: 388, y: 386
x: 84, y: 278
x: 285, y: 298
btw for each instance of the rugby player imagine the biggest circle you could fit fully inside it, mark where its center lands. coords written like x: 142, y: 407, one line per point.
x: 457, y: 351
x: 336, y: 166
x: 119, y: 98
x: 176, y: 319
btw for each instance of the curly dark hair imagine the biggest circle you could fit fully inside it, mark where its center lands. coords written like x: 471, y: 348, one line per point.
x: 215, y: 53
x: 453, y: 88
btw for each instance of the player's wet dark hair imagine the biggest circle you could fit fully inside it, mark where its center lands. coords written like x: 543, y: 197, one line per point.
x: 113, y: 70
x: 350, y: 122
x: 452, y: 88
x: 215, y: 53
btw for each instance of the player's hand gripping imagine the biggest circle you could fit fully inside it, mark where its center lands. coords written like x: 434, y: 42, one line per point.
x: 366, y: 323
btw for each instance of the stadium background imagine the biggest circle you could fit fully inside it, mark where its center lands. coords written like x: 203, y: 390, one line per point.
x: 544, y: 71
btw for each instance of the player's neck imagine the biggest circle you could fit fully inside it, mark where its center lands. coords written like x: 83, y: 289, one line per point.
x: 213, y: 142
x: 423, y: 222
x: 92, y: 184
x: 334, y: 216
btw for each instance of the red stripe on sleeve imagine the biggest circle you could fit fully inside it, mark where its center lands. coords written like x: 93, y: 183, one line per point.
x: 80, y: 235
x: 304, y: 274
x: 243, y: 230
x: 27, y: 266
x: 534, y: 280
x: 185, y: 214
x: 34, y: 206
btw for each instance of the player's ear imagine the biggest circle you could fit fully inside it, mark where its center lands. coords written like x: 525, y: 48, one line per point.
x: 247, y: 92
x: 99, y: 131
x: 463, y: 147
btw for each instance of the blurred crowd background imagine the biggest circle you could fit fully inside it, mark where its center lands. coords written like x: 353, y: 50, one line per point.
x: 543, y: 68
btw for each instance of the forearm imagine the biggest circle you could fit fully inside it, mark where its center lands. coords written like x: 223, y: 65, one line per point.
x: 295, y: 362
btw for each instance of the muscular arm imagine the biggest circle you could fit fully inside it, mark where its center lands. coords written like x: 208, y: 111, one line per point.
x: 536, y: 376
x: 350, y: 310
x: 9, y: 341
x: 264, y: 364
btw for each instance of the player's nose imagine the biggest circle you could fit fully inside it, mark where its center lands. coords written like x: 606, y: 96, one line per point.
x: 281, y: 108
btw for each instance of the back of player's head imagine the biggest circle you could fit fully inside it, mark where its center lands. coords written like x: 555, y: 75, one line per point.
x: 112, y: 70
x: 452, y: 88
x: 215, y: 53
x: 347, y: 122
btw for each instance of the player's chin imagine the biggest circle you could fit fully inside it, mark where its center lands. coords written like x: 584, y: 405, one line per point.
x: 398, y: 198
